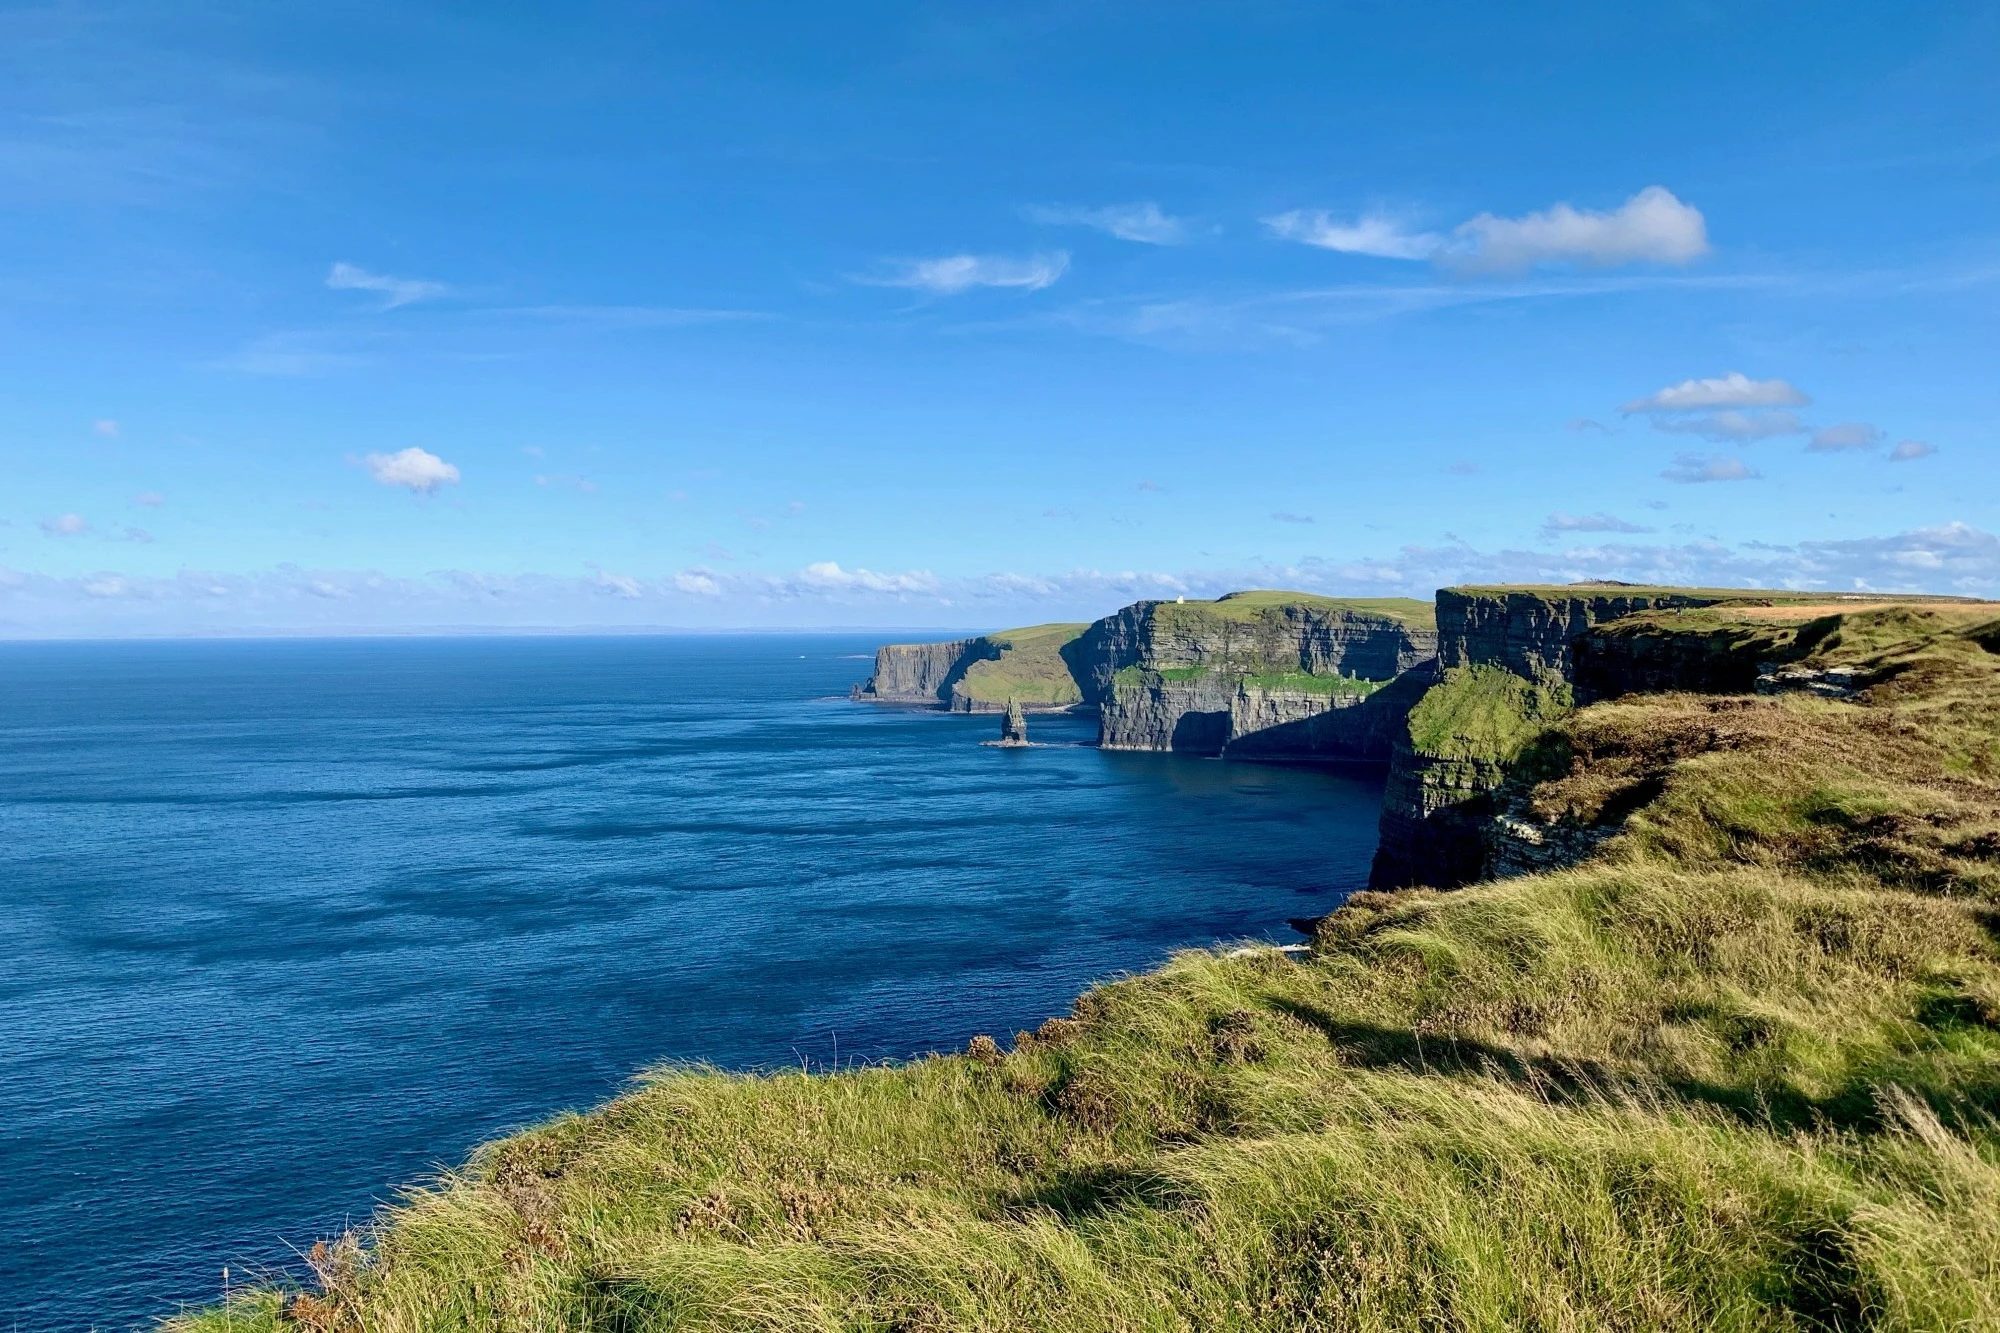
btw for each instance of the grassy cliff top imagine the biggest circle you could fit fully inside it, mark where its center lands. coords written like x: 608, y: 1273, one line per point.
x: 1252, y: 603
x: 1771, y: 596
x: 1029, y: 670
x: 1740, y: 1069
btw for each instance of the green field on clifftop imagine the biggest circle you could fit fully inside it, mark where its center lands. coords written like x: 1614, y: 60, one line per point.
x: 1739, y: 1070
x: 1255, y: 602
x: 1030, y: 669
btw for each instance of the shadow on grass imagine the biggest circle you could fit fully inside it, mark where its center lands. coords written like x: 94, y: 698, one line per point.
x: 1856, y: 1105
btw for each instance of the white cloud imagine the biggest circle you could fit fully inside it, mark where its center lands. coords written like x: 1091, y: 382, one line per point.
x: 1375, y: 234
x: 1141, y: 222
x: 952, y: 274
x: 108, y: 585
x: 1589, y: 424
x: 1847, y: 436
x: 344, y: 277
x: 150, y: 499
x: 1732, y: 390
x: 1282, y: 516
x: 1732, y: 427
x: 827, y: 575
x: 419, y: 469
x: 1599, y: 522
x: 106, y: 427
x: 1653, y: 226
x: 1910, y: 450
x: 65, y: 525
x: 1690, y: 469
x: 618, y: 585
x: 697, y: 583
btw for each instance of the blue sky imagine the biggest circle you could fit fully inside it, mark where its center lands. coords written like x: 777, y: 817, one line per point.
x: 381, y: 318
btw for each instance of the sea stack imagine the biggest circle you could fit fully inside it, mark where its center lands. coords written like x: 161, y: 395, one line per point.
x: 1014, y: 725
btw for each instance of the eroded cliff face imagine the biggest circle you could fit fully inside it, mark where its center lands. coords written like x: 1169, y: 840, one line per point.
x: 1320, y: 640
x: 1438, y: 805
x: 1532, y: 632
x: 923, y: 673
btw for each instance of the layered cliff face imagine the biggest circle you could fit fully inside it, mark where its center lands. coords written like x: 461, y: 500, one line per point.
x: 983, y: 673
x: 1529, y: 631
x: 923, y: 673
x: 1253, y: 675
x: 1259, y: 632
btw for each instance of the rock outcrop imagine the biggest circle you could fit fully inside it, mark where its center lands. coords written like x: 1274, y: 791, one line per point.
x: 1253, y: 675
x: 1530, y: 631
x: 1014, y: 725
x: 1242, y: 717
x: 1438, y: 804
x: 1257, y: 632
x: 923, y: 673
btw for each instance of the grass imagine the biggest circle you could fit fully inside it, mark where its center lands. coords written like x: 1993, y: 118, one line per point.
x: 1257, y: 603
x: 1483, y: 713
x: 1306, y: 682
x: 1746, y: 596
x: 1030, y: 669
x: 1740, y: 1070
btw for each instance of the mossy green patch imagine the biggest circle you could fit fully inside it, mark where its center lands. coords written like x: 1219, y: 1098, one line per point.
x: 1307, y: 682
x: 1484, y: 713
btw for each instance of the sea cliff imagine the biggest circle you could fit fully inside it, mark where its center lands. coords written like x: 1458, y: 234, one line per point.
x: 1263, y: 674
x: 1722, y: 1057
x: 1514, y: 660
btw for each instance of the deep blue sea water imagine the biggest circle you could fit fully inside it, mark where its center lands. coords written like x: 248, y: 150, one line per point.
x: 287, y: 924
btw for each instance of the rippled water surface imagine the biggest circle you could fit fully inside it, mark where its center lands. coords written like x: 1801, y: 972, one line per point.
x: 286, y: 924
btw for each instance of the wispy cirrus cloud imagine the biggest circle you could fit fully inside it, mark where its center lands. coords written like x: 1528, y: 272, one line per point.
x: 1379, y: 234
x: 1907, y: 451
x: 1144, y: 222
x: 1653, y: 226
x: 1599, y: 522
x: 1732, y: 427
x: 1846, y: 437
x: 949, y: 275
x: 345, y: 277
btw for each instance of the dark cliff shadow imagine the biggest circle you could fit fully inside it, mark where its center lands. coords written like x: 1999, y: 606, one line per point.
x: 1201, y: 733
x: 981, y: 649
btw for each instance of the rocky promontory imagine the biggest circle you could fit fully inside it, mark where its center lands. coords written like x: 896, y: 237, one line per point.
x: 1263, y: 674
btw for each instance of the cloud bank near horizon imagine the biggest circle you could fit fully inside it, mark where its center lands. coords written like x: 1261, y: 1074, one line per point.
x: 1953, y: 558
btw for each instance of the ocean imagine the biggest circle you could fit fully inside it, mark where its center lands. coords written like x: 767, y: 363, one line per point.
x: 287, y: 925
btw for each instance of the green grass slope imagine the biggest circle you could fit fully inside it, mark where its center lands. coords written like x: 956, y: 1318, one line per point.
x: 1740, y: 1070
x: 1030, y: 669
